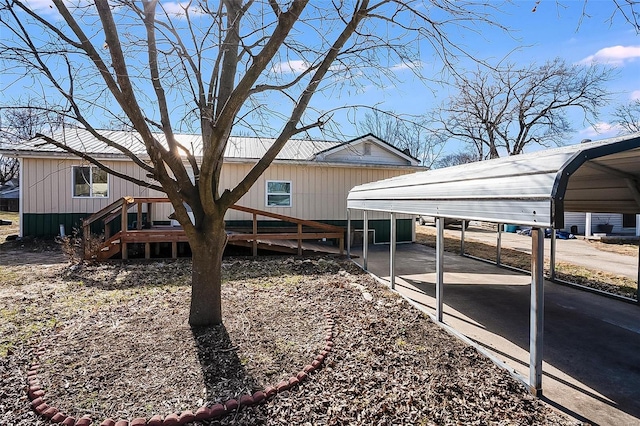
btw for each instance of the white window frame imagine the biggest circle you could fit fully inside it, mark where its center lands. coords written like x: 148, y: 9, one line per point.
x: 267, y: 193
x: 84, y: 197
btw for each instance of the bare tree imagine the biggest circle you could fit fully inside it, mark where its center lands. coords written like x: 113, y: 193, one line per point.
x: 455, y: 159
x: 210, y: 67
x: 628, y: 9
x: 627, y: 116
x: 504, y: 110
x: 412, y: 134
x: 20, y: 123
x: 9, y: 168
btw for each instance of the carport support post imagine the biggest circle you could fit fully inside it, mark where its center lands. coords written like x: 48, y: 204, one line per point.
x: 439, y: 266
x: 392, y: 253
x: 536, y: 315
x: 365, y: 240
x: 348, y: 233
x: 499, y: 244
x: 464, y: 225
x: 552, y: 256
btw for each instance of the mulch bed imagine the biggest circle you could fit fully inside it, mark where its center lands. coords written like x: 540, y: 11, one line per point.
x: 117, y: 344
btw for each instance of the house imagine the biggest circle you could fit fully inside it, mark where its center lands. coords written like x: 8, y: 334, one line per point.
x: 9, y: 196
x: 602, y: 223
x: 309, y: 179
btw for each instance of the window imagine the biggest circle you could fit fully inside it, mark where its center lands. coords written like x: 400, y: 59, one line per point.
x: 628, y: 220
x: 89, y: 181
x: 278, y: 193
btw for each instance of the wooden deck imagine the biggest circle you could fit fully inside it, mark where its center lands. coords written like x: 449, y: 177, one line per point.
x: 299, y: 237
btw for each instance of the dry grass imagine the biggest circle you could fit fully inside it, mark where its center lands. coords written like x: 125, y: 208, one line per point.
x: 593, y: 278
x: 13, y: 229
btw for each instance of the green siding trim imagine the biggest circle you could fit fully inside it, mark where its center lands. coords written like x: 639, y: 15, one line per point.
x: 382, y: 227
x: 48, y: 225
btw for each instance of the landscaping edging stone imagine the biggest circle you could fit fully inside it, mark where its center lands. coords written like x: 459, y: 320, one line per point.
x: 37, y: 395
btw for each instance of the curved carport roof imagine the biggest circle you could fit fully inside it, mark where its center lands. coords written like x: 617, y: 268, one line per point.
x: 532, y: 189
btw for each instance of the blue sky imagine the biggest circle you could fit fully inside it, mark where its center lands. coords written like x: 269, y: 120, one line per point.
x: 575, y: 30
x: 553, y: 30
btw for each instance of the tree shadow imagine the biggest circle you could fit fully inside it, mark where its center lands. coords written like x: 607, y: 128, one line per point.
x: 224, y: 373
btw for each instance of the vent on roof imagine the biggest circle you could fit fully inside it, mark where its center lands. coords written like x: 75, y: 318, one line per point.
x: 367, y: 149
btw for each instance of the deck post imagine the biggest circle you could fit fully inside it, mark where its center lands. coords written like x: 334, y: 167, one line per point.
x: 392, y: 253
x: 365, y: 240
x: 349, y: 233
x: 147, y: 250
x: 123, y: 230
x: 536, y: 315
x: 139, y: 216
x: 439, y: 267
x: 499, y: 245
x: 174, y: 249
x: 254, y: 243
x: 299, y: 239
x: 123, y: 219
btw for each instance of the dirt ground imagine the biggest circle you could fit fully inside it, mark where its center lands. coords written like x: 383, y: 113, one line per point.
x: 117, y: 344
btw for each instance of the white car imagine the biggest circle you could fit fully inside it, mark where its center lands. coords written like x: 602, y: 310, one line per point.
x: 448, y: 222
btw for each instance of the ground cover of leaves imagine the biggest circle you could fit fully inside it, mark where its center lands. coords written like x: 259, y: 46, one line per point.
x: 117, y: 344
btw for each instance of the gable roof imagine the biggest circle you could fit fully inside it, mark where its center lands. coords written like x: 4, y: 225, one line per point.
x: 369, y: 137
x: 238, y: 147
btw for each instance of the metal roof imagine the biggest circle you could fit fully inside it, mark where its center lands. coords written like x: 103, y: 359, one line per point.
x: 238, y: 147
x: 530, y: 189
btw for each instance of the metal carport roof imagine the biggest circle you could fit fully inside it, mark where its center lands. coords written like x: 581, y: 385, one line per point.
x: 532, y: 189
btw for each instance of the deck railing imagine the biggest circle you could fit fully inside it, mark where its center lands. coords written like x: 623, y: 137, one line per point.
x: 305, y: 229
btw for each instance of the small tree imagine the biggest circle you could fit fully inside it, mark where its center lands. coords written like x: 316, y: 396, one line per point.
x: 508, y: 109
x: 627, y: 116
x: 211, y: 67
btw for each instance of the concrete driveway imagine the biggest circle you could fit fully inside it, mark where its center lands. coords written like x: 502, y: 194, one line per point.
x: 591, y: 343
x: 577, y: 252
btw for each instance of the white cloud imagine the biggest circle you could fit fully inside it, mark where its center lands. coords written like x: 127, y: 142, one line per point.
x: 614, y: 55
x: 635, y: 95
x: 406, y: 66
x: 290, y: 67
x: 600, y: 130
x: 176, y: 9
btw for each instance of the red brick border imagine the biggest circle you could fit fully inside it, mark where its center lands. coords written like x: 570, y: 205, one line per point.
x: 39, y: 403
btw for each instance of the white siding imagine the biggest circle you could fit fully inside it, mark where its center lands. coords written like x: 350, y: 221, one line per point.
x: 319, y: 192
x: 47, y: 186
x: 355, y: 153
x: 578, y: 219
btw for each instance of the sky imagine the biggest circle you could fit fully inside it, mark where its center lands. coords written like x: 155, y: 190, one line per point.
x: 555, y: 29
x: 578, y: 31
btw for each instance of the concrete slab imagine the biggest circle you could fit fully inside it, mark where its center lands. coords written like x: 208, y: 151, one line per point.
x: 591, y: 343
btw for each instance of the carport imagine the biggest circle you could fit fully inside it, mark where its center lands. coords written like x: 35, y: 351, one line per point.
x: 528, y: 190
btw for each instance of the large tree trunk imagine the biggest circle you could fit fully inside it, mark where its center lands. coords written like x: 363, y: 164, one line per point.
x: 206, y: 279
